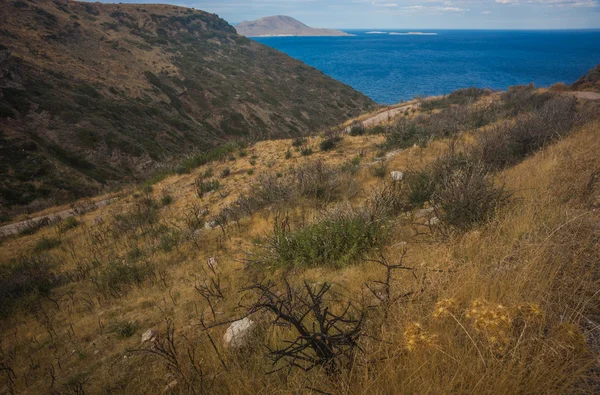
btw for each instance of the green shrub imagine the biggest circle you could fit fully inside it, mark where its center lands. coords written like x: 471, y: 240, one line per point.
x: 327, y: 145
x: 117, y: 276
x: 337, y: 241
x: 306, y: 151
x: 45, y: 244
x: 379, y: 170
x: 226, y: 172
x: 205, y: 186
x: 299, y: 142
x: 288, y: 154
x: 357, y: 129
x: 252, y: 162
x: 68, y: 223
x: 250, y: 172
x: 166, y: 199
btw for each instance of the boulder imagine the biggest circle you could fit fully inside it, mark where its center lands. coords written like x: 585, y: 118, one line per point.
x: 239, y: 334
x: 210, y: 225
x: 397, y: 175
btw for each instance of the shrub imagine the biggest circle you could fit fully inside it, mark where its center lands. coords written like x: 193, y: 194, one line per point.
x: 68, y: 223
x: 225, y: 172
x: 405, y: 133
x: 166, y: 199
x: 299, y: 142
x: 45, y: 244
x: 327, y: 145
x: 252, y: 162
x: 306, y: 151
x: 288, y: 154
x: 117, y: 276
x: 23, y: 280
x: 507, y: 143
x: 379, y: 170
x: 468, y: 196
x: 338, y: 241
x: 357, y: 129
x: 242, y: 153
x: 250, y: 172
x: 205, y: 186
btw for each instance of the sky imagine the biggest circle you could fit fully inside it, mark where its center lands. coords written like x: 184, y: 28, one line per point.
x: 407, y: 14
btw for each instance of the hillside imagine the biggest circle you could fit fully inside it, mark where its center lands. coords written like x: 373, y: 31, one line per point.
x: 93, y: 95
x: 462, y: 275
x: 589, y: 82
x: 281, y: 25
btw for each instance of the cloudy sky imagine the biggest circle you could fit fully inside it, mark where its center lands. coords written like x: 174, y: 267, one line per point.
x: 399, y: 14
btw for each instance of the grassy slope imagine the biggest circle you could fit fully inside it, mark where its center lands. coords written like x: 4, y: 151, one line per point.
x: 95, y: 94
x: 508, y: 307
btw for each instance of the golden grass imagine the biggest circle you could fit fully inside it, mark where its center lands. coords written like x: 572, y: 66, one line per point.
x: 505, y: 308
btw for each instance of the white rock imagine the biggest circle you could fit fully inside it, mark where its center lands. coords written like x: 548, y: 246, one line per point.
x: 397, y: 175
x: 212, y: 262
x: 210, y: 225
x: 149, y: 336
x: 239, y: 333
x: 170, y: 387
x: 433, y: 221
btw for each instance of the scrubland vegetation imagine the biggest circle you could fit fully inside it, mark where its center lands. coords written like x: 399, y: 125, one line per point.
x: 475, y: 273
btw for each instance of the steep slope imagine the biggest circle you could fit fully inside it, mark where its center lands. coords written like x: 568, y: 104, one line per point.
x: 590, y: 81
x: 281, y: 25
x: 95, y: 94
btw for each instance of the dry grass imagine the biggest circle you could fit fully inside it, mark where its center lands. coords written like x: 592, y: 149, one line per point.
x: 510, y: 306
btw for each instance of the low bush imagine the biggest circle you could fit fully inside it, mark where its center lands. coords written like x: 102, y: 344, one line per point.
x: 357, y: 129
x: 306, y: 151
x: 507, y: 143
x: 118, y: 275
x: 23, y: 280
x: 338, y: 240
x: 468, y: 196
x: 68, y: 223
x: 226, y: 172
x: 205, y: 186
x: 45, y: 244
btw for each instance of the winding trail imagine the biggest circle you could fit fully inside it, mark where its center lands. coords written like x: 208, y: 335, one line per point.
x: 13, y: 229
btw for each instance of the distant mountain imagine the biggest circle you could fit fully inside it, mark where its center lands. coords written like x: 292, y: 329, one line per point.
x: 93, y: 95
x: 281, y: 25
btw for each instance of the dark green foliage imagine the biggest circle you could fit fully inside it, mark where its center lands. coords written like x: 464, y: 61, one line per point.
x: 327, y: 145
x: 45, y: 244
x: 204, y: 186
x: 306, y: 151
x: 117, y: 276
x: 23, y: 280
x: 337, y: 241
x: 166, y: 199
x: 225, y: 172
x: 68, y: 223
x: 123, y: 330
x: 357, y: 129
x: 379, y: 170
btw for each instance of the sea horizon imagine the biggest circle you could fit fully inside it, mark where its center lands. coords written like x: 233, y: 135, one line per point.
x: 391, y: 68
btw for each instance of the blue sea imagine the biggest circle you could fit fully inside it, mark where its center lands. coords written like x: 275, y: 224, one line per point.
x: 391, y: 68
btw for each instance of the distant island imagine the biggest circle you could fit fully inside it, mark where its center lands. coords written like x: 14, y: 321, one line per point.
x: 283, y: 26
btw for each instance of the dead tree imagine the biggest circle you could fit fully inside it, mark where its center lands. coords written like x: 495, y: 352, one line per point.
x: 323, y: 338
x: 382, y: 289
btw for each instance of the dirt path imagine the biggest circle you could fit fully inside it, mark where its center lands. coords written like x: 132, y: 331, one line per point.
x: 586, y: 95
x: 384, y: 116
x: 13, y: 229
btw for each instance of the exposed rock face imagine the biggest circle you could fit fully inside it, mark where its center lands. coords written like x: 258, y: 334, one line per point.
x: 281, y: 25
x: 239, y: 334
